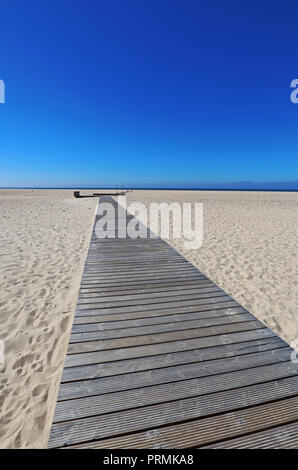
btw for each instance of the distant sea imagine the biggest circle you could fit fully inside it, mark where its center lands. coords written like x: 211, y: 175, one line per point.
x: 165, y: 188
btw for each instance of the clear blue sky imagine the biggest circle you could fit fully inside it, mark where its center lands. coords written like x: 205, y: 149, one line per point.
x: 148, y: 92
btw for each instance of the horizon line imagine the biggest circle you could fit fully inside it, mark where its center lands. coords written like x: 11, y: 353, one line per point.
x: 157, y: 188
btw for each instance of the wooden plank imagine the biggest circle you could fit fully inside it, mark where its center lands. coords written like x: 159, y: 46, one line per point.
x: 136, y: 267
x: 280, y: 437
x: 146, y: 282
x: 120, y: 257
x: 201, y: 431
x: 123, y: 342
x: 134, y: 274
x: 137, y: 277
x: 166, y: 374
x: 182, y: 344
x: 157, y: 361
x: 202, y: 300
x: 132, y: 301
x: 109, y: 321
x: 91, y: 298
x: 145, y: 276
x: 214, y: 307
x: 124, y: 422
x: 149, y: 395
x: 115, y: 331
x: 166, y: 287
x: 160, y: 267
x: 131, y: 263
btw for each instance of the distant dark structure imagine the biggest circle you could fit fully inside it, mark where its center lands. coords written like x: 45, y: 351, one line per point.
x: 117, y: 193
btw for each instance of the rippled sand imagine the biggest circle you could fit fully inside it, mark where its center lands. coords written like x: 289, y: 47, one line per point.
x: 250, y: 249
x: 44, y: 238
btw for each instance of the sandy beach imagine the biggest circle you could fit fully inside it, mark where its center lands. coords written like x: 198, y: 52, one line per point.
x: 250, y: 250
x: 44, y: 241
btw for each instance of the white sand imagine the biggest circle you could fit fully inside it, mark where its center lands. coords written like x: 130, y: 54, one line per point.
x: 250, y: 250
x: 44, y: 239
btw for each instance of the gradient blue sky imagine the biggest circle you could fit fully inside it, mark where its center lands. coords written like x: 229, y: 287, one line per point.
x: 148, y: 93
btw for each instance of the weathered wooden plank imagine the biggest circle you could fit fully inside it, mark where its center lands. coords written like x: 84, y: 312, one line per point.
x: 152, y: 265
x: 182, y: 344
x: 146, y: 282
x: 124, y: 422
x: 142, y: 266
x: 201, y: 431
x: 156, y: 338
x: 114, y: 331
x: 150, y: 300
x: 126, y: 261
x: 138, y: 277
x: 134, y: 274
x: 204, y: 299
x: 137, y: 364
x: 133, y: 398
x: 280, y: 437
x: 91, y: 298
x: 166, y: 374
x: 109, y: 321
x: 145, y: 279
x: 142, y: 256
x: 156, y: 267
x: 147, y: 288
x: 161, y: 312
x: 138, y: 263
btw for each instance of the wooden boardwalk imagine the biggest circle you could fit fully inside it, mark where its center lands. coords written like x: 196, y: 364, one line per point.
x: 160, y: 357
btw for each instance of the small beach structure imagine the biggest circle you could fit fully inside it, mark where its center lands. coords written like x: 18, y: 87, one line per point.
x: 77, y: 194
